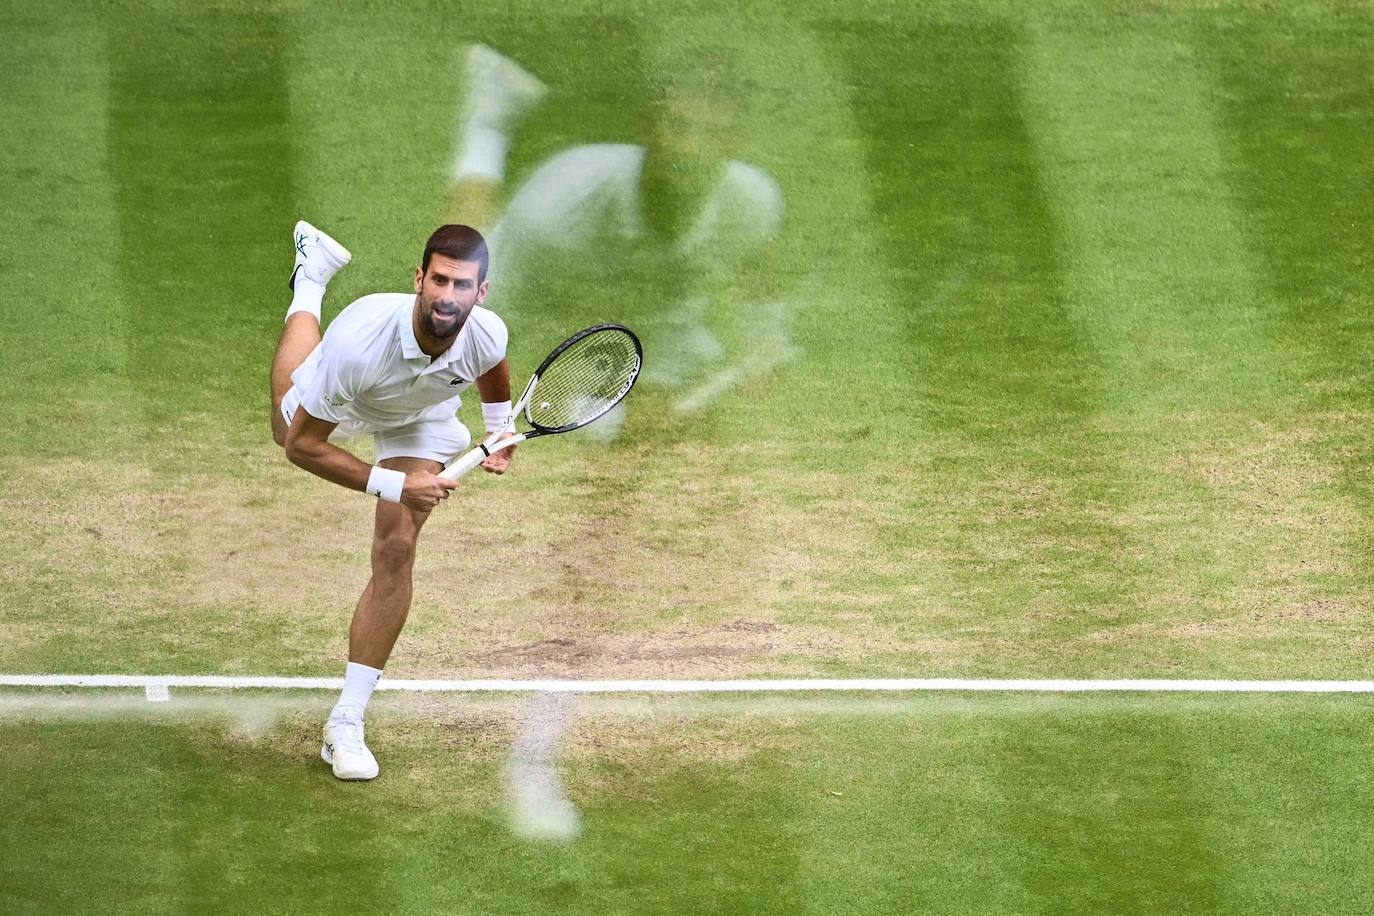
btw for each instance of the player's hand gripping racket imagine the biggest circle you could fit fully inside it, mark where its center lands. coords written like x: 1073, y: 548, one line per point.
x: 579, y: 382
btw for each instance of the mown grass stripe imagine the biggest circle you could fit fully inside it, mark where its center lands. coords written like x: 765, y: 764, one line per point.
x: 1215, y: 496
x: 64, y: 317
x: 1297, y: 124
x: 1001, y: 526
x: 203, y: 158
x: 1161, y: 276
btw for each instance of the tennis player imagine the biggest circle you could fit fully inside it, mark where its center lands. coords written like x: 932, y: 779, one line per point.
x: 391, y: 365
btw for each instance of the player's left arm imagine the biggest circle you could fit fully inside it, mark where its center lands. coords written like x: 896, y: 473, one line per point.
x: 494, y: 387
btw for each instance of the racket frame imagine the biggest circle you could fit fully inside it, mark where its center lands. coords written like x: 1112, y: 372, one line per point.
x: 490, y: 445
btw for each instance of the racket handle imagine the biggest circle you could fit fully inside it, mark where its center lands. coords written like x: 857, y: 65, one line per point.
x: 477, y: 456
x: 460, y: 467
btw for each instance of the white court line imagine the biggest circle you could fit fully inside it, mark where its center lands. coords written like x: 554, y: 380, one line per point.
x: 723, y: 686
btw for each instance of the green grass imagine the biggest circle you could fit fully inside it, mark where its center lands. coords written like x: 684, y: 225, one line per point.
x: 843, y: 805
x: 1071, y: 298
x: 1069, y: 311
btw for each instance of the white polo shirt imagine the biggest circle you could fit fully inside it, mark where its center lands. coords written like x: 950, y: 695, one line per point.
x: 369, y: 374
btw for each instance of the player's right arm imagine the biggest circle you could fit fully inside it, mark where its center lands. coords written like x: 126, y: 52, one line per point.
x: 308, y: 446
x: 343, y: 372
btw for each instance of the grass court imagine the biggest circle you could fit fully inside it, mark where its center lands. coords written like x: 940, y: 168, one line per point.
x: 1057, y: 365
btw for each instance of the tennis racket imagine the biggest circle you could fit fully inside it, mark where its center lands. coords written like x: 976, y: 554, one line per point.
x: 579, y: 382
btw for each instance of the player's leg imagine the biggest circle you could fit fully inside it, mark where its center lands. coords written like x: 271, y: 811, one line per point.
x: 382, y: 610
x: 377, y: 622
x: 318, y: 258
x: 298, y: 338
x: 425, y: 445
x: 498, y: 91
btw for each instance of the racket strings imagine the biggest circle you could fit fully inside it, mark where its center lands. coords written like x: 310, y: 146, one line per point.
x: 584, y: 381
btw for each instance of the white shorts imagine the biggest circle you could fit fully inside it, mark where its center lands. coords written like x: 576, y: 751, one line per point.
x: 439, y: 440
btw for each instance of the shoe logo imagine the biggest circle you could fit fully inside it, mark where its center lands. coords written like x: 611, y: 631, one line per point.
x: 300, y: 243
x: 329, y: 747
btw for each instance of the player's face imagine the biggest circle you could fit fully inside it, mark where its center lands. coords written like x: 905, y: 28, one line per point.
x: 446, y: 293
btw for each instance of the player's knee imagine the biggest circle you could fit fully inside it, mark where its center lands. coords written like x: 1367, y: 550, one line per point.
x: 393, y: 554
x: 278, y: 425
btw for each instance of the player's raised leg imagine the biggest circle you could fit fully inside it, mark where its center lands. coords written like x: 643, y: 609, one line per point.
x: 318, y: 258
x: 377, y: 622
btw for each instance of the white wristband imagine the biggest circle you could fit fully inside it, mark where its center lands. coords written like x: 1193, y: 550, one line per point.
x: 386, y: 484
x: 496, y: 416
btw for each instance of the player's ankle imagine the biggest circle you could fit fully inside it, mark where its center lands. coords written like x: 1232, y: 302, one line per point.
x: 308, y: 296
x: 359, y: 682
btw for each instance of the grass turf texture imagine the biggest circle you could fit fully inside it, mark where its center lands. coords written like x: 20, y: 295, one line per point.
x: 1072, y: 297
x: 835, y: 805
x: 1070, y: 301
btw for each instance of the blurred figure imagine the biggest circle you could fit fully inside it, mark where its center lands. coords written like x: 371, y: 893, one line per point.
x: 498, y: 93
x: 596, y: 229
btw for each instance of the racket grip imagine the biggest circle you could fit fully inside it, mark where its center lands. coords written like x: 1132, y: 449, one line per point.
x: 477, y: 455
x: 463, y: 465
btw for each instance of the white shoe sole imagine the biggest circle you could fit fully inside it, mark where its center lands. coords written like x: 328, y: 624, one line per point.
x: 328, y: 758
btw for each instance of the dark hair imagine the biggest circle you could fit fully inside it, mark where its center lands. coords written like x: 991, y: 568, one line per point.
x: 462, y: 243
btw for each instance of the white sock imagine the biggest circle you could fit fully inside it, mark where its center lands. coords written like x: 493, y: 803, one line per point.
x: 358, y: 683
x: 308, y: 298
x: 483, y: 153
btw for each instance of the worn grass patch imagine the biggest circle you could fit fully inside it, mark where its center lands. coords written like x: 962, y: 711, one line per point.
x: 1041, y: 373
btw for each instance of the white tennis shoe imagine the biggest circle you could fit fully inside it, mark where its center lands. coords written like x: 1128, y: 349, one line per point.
x: 318, y: 257
x: 344, y: 749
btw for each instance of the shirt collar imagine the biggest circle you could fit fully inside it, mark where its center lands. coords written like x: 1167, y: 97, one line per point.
x: 410, y: 346
x: 405, y: 326
x: 449, y: 355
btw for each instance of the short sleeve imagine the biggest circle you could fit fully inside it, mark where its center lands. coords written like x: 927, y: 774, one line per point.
x: 491, y: 343
x: 338, y: 379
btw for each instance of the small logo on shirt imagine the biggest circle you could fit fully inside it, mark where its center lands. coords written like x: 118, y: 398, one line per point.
x: 454, y: 383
